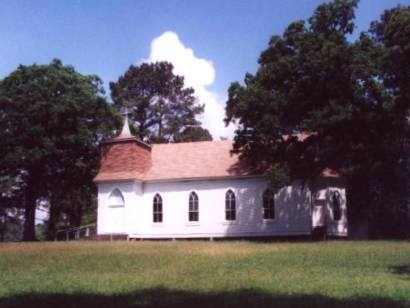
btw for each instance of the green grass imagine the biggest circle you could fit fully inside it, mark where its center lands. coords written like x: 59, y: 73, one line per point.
x: 205, y: 274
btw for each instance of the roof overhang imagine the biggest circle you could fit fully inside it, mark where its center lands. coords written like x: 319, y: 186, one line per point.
x: 125, y: 140
x: 174, y: 180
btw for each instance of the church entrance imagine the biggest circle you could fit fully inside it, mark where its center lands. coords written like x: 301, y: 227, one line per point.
x: 116, y: 219
x: 116, y: 212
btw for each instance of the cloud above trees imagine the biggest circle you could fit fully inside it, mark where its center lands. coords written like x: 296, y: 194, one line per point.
x: 199, y: 73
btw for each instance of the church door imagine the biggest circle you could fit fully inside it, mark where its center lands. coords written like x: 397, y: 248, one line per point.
x: 116, y: 212
x: 116, y: 219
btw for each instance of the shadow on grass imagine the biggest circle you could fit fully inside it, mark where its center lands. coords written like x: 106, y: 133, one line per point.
x: 160, y: 297
x: 402, y: 270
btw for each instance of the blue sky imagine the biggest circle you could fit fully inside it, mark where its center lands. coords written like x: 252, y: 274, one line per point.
x: 105, y: 37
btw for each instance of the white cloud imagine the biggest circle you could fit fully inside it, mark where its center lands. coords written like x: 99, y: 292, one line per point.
x: 199, y: 73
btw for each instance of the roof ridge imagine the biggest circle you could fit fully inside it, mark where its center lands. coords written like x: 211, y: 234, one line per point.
x: 190, y: 142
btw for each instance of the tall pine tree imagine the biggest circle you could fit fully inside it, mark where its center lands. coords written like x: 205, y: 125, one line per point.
x: 159, y: 104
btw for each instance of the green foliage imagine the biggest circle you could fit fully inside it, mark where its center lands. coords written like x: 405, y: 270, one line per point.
x: 391, y: 35
x: 219, y: 274
x: 11, y: 204
x: 321, y: 101
x: 54, y: 117
x: 193, y: 133
x: 10, y: 221
x: 51, y: 120
x: 161, y: 107
x: 40, y: 232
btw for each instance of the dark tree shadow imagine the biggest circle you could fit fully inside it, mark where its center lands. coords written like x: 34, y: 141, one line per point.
x: 160, y: 297
x: 403, y: 270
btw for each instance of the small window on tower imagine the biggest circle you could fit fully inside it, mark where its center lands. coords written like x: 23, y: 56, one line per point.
x: 116, y: 199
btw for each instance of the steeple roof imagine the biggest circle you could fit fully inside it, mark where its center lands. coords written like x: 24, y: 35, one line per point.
x: 126, y: 136
x: 125, y: 132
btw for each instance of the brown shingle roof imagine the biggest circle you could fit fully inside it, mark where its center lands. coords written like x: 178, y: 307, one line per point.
x: 206, y: 159
x: 126, y: 159
x: 123, y: 159
x: 193, y: 160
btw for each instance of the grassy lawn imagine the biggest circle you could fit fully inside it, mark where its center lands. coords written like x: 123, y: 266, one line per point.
x: 205, y: 274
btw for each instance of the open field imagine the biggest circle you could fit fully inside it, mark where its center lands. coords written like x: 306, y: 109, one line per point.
x: 205, y: 274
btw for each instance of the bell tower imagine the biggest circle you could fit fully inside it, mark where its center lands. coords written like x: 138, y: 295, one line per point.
x: 124, y: 157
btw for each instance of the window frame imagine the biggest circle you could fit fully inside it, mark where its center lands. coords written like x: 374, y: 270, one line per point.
x: 193, y: 207
x: 230, y: 206
x: 335, y: 195
x: 157, y: 209
x: 268, y: 210
x: 111, y: 196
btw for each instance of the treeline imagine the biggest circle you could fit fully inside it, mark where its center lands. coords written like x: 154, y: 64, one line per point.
x: 52, y: 119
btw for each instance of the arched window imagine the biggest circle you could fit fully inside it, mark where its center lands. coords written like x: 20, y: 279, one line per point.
x: 116, y: 198
x: 157, y: 208
x: 230, y: 205
x: 336, y: 206
x: 193, y: 213
x: 268, y: 204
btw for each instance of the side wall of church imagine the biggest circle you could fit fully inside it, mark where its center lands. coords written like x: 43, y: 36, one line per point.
x: 292, y: 209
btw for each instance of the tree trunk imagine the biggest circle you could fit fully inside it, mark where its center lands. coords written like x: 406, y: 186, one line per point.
x: 29, y: 216
x: 160, y: 128
x: 358, y: 201
x: 3, y: 226
x: 53, y: 219
x: 75, y: 214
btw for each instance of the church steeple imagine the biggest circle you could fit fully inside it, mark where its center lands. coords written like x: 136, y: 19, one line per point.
x: 125, y: 132
x: 124, y: 157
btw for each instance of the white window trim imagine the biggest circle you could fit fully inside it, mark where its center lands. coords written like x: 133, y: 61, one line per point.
x: 275, y: 216
x: 230, y: 222
x: 269, y: 220
x: 331, y: 210
x: 157, y: 223
x: 115, y: 205
x: 193, y: 222
x: 234, y: 221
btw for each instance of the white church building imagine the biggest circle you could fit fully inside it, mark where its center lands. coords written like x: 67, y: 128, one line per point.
x: 201, y: 190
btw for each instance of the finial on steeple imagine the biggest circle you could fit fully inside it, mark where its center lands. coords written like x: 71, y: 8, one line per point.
x: 125, y: 132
